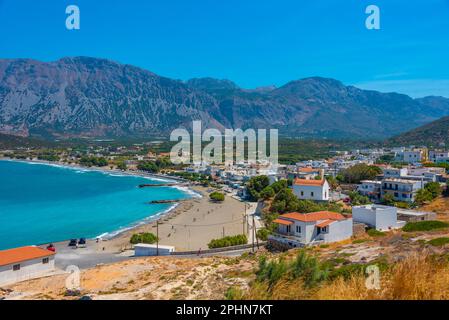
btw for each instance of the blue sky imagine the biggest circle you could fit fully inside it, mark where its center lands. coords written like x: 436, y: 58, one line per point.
x: 254, y: 43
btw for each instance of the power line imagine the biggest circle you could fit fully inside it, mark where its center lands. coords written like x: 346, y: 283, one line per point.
x: 203, y: 225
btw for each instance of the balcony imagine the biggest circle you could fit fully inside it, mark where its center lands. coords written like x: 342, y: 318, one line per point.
x: 399, y: 189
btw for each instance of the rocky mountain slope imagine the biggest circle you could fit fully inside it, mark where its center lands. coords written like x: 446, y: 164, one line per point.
x: 76, y: 97
x: 435, y: 134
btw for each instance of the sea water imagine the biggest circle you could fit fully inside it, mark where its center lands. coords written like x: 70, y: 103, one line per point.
x: 42, y: 203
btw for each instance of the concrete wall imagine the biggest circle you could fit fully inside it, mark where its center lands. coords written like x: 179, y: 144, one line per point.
x: 338, y: 231
x: 151, y: 251
x: 382, y: 218
x: 28, y: 270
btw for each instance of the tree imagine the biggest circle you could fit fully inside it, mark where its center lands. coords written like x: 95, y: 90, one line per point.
x: 286, y: 201
x: 333, y: 182
x: 122, y: 166
x: 423, y: 196
x: 255, y: 185
x: 217, y: 196
x: 388, y: 199
x: 434, y: 188
x: 267, y: 193
x: 279, y: 185
x: 148, y: 166
x: 358, y: 199
x: 360, y: 172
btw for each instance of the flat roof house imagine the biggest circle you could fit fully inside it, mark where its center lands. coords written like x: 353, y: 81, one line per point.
x: 402, y: 189
x: 25, y: 263
x: 298, y: 230
x: 310, y: 189
x: 382, y: 218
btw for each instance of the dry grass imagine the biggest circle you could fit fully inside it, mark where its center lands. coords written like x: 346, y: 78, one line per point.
x: 419, y: 277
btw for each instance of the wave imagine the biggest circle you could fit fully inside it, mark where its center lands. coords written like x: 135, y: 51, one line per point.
x: 189, y: 191
x: 152, y: 218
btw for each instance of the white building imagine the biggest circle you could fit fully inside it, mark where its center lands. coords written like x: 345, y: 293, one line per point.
x: 438, y: 156
x: 413, y: 156
x: 144, y: 250
x: 297, y: 230
x: 309, y: 189
x: 394, y: 172
x: 370, y: 189
x: 401, y: 189
x: 25, y: 263
x: 382, y: 218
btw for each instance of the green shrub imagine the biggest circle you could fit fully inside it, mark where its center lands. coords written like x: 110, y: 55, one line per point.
x: 424, y: 226
x: 147, y: 237
x: 306, y: 267
x: 234, y: 293
x: 375, y: 233
x: 217, y: 196
x: 262, y: 234
x: 438, y: 242
x: 228, y: 241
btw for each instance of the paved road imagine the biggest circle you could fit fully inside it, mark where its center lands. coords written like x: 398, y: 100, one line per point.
x: 85, y: 258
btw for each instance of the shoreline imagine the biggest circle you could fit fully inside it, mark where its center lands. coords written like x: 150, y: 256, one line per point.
x: 113, y: 234
x: 191, y: 225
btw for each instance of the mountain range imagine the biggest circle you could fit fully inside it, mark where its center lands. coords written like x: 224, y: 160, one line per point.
x: 91, y: 97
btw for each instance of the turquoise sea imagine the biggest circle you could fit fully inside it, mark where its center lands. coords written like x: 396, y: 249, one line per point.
x: 44, y: 203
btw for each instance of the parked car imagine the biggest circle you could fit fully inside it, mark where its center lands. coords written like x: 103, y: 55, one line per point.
x: 73, y: 243
x: 82, y: 243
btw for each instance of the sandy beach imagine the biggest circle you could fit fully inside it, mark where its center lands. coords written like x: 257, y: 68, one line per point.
x: 192, y: 224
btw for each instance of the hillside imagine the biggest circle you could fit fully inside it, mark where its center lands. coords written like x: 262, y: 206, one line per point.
x: 411, y: 267
x: 433, y: 134
x: 13, y: 142
x: 89, y: 97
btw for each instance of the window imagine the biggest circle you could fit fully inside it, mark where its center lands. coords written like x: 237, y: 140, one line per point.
x: 302, y: 193
x: 45, y: 260
x: 311, y: 194
x: 16, y: 267
x: 396, y: 194
x: 289, y: 228
x: 298, y: 229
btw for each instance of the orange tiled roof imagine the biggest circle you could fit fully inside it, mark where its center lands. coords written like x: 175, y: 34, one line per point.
x: 282, y: 221
x: 313, y: 216
x: 308, y: 169
x: 306, y: 182
x: 18, y: 255
x: 324, y: 223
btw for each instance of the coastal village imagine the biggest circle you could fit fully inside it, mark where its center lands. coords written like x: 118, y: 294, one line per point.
x: 354, y: 208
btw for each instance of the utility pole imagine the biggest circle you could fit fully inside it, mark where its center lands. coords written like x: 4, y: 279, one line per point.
x: 223, y: 232
x: 252, y: 231
x: 255, y: 232
x: 157, y: 237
